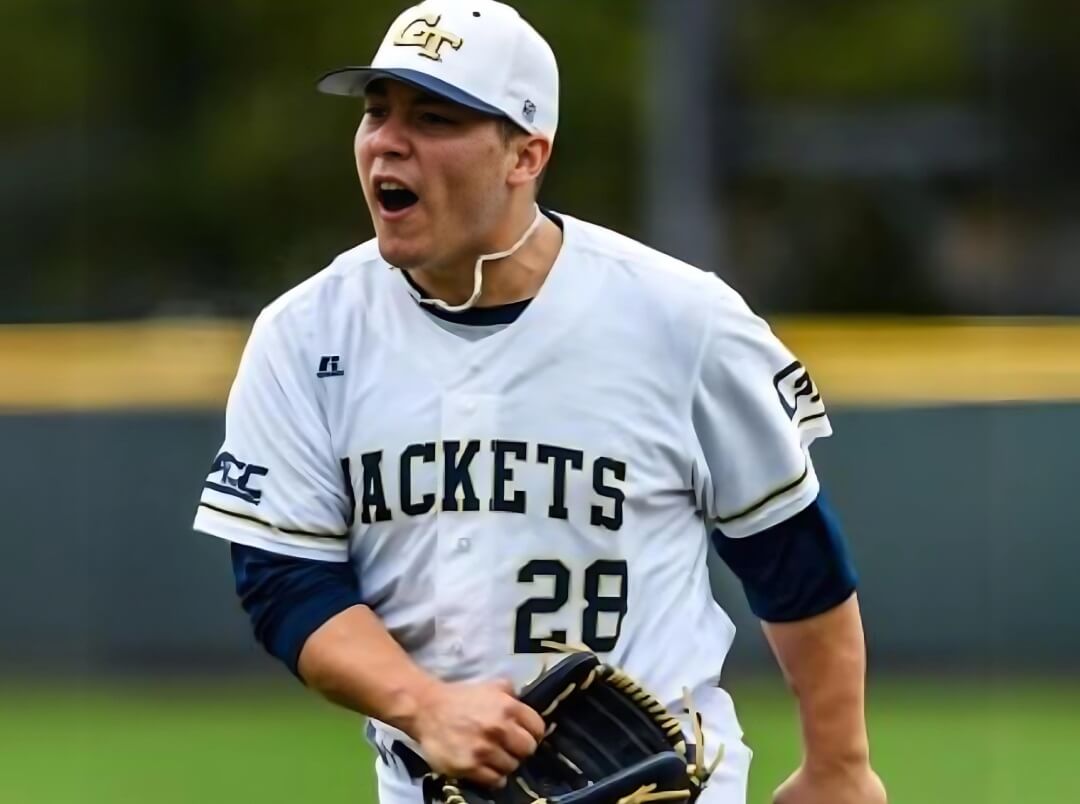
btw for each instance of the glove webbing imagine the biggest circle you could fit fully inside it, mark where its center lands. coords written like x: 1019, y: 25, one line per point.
x: 697, y: 770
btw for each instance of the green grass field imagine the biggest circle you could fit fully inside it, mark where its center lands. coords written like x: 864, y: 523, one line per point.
x: 934, y: 742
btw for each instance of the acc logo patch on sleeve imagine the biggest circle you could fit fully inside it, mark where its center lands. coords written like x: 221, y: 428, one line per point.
x: 798, y: 394
x: 235, y: 478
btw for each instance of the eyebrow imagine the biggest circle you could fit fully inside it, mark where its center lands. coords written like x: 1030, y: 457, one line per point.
x: 428, y: 98
x: 375, y: 89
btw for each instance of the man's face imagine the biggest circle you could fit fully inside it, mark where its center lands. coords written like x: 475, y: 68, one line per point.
x: 433, y: 174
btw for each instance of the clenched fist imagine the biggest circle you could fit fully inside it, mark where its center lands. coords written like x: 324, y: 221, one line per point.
x: 477, y: 731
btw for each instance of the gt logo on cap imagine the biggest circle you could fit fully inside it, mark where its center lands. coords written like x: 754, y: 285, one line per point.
x: 423, y: 34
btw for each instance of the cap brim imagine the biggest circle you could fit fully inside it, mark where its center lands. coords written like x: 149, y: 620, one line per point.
x: 354, y: 80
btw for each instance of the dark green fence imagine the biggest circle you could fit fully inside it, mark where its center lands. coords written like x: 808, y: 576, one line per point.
x: 964, y: 521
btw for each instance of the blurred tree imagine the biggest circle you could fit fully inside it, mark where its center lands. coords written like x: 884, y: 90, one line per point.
x: 173, y: 157
x: 871, y: 138
x: 185, y: 164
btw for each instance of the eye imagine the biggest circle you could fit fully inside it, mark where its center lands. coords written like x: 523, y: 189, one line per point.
x: 374, y: 112
x: 436, y: 119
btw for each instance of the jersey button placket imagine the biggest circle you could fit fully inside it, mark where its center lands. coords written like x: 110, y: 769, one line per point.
x: 462, y: 593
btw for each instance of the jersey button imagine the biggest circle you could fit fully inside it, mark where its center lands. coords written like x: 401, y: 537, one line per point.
x: 463, y: 544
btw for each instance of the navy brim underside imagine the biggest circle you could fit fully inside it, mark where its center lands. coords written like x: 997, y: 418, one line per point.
x: 353, y: 81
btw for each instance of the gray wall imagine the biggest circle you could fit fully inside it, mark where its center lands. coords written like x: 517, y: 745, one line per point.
x: 964, y: 522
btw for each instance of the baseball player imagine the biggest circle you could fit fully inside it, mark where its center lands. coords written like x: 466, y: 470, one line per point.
x: 495, y: 426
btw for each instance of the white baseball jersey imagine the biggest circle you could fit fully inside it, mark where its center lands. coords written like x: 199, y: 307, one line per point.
x: 556, y: 480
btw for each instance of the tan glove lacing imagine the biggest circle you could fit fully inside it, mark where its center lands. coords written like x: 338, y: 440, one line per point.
x: 645, y: 794
x: 617, y: 678
x: 698, y: 773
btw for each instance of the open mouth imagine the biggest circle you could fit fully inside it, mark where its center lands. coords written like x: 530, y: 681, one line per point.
x: 395, y: 197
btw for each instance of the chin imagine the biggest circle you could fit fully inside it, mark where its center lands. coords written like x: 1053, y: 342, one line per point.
x: 400, y: 254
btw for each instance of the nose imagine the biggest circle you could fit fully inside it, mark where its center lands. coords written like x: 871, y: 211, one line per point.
x: 390, y: 138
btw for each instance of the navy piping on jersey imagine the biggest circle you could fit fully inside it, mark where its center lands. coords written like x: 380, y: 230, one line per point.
x: 267, y: 525
x: 794, y: 570
x: 287, y: 599
x: 725, y: 520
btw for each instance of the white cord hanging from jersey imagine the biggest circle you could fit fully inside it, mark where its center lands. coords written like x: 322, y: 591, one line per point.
x: 478, y: 273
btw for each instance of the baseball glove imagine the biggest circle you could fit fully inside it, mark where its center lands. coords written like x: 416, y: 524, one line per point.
x: 607, y: 742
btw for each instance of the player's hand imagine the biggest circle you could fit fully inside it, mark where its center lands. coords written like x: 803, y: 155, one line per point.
x: 477, y: 731
x: 853, y: 784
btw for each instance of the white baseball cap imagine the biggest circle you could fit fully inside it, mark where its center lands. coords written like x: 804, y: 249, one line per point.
x: 479, y: 53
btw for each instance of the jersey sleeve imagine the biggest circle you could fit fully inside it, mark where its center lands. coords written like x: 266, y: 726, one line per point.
x: 275, y: 484
x: 755, y: 412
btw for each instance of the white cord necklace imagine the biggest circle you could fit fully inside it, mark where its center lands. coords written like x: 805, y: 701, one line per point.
x: 478, y: 274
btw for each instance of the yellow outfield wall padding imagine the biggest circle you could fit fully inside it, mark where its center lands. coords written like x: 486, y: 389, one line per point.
x: 933, y: 361
x: 153, y: 365
x: 190, y: 364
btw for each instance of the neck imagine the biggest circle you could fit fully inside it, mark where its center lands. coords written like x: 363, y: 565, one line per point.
x: 510, y: 279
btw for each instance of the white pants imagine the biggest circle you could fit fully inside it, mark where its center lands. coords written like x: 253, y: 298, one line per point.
x: 721, y: 727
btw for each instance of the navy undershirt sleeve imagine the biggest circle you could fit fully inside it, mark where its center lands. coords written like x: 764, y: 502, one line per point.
x: 288, y: 598
x: 794, y: 570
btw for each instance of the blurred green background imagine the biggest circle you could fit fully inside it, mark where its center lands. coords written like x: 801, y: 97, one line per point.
x: 896, y: 184
x: 917, y: 157
x: 935, y: 744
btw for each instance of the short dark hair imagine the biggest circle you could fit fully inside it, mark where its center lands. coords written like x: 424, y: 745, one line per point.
x: 509, y: 130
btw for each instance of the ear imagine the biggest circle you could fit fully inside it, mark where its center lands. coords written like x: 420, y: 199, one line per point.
x: 532, y: 155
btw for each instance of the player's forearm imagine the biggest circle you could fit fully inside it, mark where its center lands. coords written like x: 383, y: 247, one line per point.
x: 824, y: 661
x: 353, y: 661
